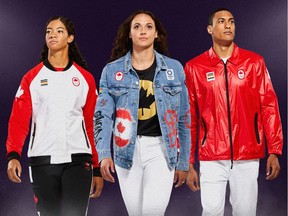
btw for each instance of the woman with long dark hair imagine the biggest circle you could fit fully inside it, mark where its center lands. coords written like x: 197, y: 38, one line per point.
x: 58, y: 96
x: 143, y: 101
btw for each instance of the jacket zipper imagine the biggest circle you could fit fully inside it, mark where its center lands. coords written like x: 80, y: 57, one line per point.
x: 33, y: 136
x: 87, y: 143
x: 229, y: 115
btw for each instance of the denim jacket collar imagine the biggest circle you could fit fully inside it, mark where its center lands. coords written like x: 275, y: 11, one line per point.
x: 161, y: 64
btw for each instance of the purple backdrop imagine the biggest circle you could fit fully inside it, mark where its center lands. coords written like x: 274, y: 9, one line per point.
x: 261, y: 26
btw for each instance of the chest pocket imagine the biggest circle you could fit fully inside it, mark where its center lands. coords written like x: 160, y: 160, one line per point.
x: 118, y: 92
x: 120, y: 96
x: 172, y: 96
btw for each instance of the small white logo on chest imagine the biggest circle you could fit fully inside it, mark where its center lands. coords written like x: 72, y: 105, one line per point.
x: 210, y: 76
x: 119, y: 76
x: 170, y: 74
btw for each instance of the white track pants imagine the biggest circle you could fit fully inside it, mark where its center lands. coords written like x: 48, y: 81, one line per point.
x: 242, y: 179
x: 147, y: 186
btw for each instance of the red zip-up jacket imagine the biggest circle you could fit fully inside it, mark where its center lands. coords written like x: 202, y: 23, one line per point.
x: 233, y: 107
x: 60, y: 106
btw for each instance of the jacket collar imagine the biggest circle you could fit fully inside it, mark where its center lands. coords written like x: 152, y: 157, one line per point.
x: 160, y: 62
x: 214, y: 58
x: 48, y: 65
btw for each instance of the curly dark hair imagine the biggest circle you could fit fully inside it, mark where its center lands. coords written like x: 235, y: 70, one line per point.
x: 74, y: 52
x: 123, y: 43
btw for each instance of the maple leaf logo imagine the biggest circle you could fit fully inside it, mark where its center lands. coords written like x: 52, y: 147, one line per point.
x: 19, y: 92
x: 119, y: 76
x: 75, y: 81
x: 123, y: 127
x: 120, y: 127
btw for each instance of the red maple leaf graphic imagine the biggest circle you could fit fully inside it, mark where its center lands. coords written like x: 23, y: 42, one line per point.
x: 120, y: 127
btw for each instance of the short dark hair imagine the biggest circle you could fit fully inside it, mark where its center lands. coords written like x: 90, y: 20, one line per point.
x: 211, y: 16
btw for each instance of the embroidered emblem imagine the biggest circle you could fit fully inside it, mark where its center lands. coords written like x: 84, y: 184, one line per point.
x: 241, y: 74
x: 210, y: 76
x: 44, y: 82
x: 170, y: 74
x: 75, y: 81
x: 119, y: 76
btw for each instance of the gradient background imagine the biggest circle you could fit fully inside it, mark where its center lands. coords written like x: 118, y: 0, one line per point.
x: 261, y: 26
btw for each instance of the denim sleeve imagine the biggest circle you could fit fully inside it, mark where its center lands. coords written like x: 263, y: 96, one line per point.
x: 103, y: 118
x: 184, y: 127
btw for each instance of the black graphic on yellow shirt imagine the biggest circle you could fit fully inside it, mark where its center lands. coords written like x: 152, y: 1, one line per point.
x: 147, y: 105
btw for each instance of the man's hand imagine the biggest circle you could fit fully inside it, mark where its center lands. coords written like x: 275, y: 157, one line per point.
x: 106, y: 167
x: 14, y: 170
x: 272, y: 167
x: 192, y: 179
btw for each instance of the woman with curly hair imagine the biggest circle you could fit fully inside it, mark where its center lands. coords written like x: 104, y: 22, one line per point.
x: 58, y: 96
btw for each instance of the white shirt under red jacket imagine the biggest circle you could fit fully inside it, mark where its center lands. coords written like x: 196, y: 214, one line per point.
x: 233, y: 107
x: 62, y: 105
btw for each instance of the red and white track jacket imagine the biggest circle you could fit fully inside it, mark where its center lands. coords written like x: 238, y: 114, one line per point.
x: 62, y: 106
x: 233, y: 107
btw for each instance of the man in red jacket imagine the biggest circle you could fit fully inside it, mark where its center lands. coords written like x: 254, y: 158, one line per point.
x: 234, y: 109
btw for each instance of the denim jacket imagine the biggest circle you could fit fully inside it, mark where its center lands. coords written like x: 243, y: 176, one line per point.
x: 117, y: 111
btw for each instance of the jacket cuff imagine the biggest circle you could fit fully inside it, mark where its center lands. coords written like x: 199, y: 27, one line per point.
x: 183, y: 166
x: 96, y: 172
x: 13, y: 155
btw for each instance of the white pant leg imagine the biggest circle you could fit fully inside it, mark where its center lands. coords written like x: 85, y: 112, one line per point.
x: 157, y: 178
x: 131, y: 185
x: 213, y: 182
x: 147, y: 186
x: 244, y: 187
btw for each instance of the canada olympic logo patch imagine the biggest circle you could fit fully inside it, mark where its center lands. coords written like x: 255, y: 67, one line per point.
x: 241, y: 74
x: 123, y: 127
x: 76, y: 81
x: 119, y: 76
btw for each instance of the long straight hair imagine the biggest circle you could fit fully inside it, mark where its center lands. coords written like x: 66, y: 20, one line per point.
x: 123, y: 43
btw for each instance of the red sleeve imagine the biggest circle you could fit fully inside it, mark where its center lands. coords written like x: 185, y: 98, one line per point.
x: 193, y: 110
x: 270, y: 112
x: 88, y: 113
x: 19, y: 122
